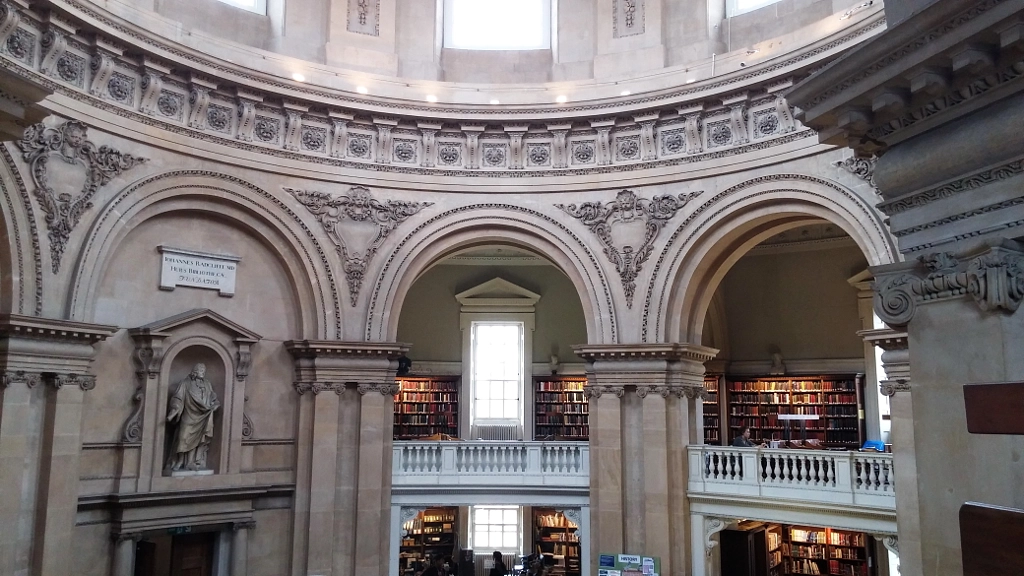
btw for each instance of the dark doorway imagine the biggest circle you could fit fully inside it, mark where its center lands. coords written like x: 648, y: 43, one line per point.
x: 192, y: 554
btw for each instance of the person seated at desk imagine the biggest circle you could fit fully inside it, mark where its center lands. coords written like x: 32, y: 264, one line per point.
x: 743, y: 441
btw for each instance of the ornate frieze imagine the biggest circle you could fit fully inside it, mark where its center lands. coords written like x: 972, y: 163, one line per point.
x: 58, y: 381
x: 993, y: 276
x: 64, y: 208
x: 384, y: 389
x: 317, y: 387
x: 358, y: 206
x: 863, y: 168
x: 602, y: 218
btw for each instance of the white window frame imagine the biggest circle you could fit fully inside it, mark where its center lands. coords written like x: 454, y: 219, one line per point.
x: 547, y: 41
x: 487, y: 550
x: 256, y: 7
x: 733, y: 7
x: 477, y: 385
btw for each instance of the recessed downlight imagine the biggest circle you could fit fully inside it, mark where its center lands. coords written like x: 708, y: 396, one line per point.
x: 495, y: 101
x: 298, y: 77
x: 362, y: 89
x: 625, y: 93
x: 691, y: 80
x: 562, y: 99
x: 431, y: 98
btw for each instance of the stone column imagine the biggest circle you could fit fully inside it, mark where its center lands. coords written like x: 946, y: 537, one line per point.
x: 373, y: 513
x: 45, y: 364
x: 344, y: 455
x: 240, y: 547
x: 896, y: 385
x: 124, y: 554
x: 643, y: 415
x: 865, y: 310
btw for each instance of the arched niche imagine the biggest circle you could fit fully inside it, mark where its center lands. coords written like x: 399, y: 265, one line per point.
x: 196, y: 352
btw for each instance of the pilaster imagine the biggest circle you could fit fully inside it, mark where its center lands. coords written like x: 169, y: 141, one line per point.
x: 345, y: 425
x: 45, y: 377
x: 645, y: 407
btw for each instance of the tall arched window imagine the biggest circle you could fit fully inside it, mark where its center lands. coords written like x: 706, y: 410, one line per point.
x: 497, y: 24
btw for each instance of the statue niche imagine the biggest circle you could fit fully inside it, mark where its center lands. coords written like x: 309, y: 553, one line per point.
x: 190, y: 410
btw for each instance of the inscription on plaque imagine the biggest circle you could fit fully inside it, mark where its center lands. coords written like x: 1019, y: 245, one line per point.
x: 179, y: 267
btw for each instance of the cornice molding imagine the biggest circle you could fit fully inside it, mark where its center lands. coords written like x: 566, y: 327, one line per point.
x: 343, y: 349
x: 628, y: 352
x: 55, y: 330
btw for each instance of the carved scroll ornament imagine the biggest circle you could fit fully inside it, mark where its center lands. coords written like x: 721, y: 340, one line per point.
x: 64, y: 209
x: 357, y: 206
x: 627, y: 207
x: 994, y: 278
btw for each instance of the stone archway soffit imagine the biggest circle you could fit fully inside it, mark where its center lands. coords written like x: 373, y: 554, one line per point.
x: 402, y: 267
x: 278, y: 217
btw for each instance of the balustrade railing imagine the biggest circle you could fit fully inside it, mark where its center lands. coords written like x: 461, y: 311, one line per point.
x: 491, y: 463
x: 857, y: 478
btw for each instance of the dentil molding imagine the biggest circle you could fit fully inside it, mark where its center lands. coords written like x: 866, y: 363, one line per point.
x: 993, y: 275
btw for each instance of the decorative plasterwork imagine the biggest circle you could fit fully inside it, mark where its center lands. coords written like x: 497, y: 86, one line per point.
x: 382, y: 389
x: 949, y: 189
x: 712, y: 526
x: 364, y: 17
x: 993, y: 276
x: 863, y: 168
x: 9, y: 377
x: 64, y: 209
x: 592, y: 391
x: 627, y: 352
x: 148, y: 355
x: 628, y: 208
x: 628, y: 18
x: 890, y: 541
x: 361, y: 207
x: 318, y: 387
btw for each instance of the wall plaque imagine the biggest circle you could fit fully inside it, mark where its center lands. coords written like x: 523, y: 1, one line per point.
x: 179, y: 267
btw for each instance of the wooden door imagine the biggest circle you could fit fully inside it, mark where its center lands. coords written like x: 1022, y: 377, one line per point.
x: 192, y: 554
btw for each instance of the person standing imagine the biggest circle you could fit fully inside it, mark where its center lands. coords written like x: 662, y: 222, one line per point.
x: 499, y: 568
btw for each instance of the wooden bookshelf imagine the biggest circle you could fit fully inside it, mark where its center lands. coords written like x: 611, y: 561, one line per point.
x: 426, y: 407
x: 752, y: 549
x: 836, y: 400
x: 808, y: 550
x: 561, y: 409
x: 712, y: 415
x: 432, y: 532
x: 556, y: 536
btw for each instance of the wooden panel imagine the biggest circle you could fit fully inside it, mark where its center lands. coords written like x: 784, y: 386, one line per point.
x: 995, y: 408
x: 990, y: 538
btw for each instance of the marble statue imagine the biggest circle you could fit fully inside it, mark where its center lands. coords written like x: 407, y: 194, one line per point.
x: 191, y: 406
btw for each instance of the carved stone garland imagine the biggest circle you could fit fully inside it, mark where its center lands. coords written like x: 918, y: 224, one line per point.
x: 357, y: 206
x: 64, y: 209
x: 627, y: 207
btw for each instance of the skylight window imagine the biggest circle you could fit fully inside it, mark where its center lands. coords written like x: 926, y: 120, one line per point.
x: 497, y: 24
x: 737, y: 7
x: 257, y: 6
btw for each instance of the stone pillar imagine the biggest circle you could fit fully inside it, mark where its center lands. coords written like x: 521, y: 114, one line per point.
x: 45, y: 364
x: 240, y: 547
x: 373, y: 512
x: 345, y: 456
x: 896, y: 385
x: 865, y: 310
x: 124, y: 554
x: 643, y: 410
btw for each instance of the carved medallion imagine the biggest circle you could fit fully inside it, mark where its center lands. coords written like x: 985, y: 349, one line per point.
x: 625, y: 209
x: 360, y: 207
x: 64, y: 209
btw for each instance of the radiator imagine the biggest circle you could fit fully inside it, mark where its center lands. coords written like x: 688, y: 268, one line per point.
x: 498, y: 432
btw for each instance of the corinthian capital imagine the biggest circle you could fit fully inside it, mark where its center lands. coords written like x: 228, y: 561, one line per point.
x: 383, y: 389
x: 598, y: 391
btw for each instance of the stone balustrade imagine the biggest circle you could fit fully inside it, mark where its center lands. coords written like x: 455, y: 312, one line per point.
x: 821, y: 476
x: 491, y: 463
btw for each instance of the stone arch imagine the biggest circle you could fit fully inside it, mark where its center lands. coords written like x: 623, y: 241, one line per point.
x: 727, y: 226
x: 21, y: 267
x: 257, y: 212
x: 491, y: 223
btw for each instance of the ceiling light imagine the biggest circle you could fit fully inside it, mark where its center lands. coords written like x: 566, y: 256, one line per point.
x: 431, y: 98
x: 562, y: 99
x: 625, y: 93
x: 494, y: 101
x: 361, y: 89
x: 691, y: 80
x: 298, y: 77
x: 751, y: 51
x: 846, y: 15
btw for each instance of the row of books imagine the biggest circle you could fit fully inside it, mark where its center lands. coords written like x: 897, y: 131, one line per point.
x: 792, y: 386
x: 425, y: 408
x: 563, y: 409
x: 430, y: 397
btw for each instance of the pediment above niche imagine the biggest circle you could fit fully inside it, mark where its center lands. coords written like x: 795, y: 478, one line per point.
x: 497, y: 295
x: 169, y: 324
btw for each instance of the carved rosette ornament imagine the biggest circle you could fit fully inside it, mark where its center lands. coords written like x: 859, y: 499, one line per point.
x: 64, y: 208
x: 361, y: 207
x: 628, y: 208
x: 993, y: 276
